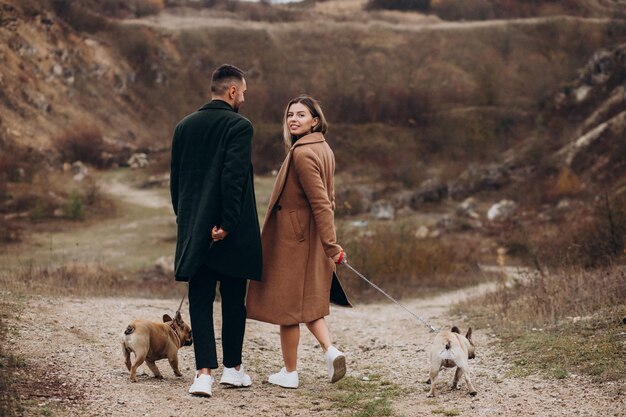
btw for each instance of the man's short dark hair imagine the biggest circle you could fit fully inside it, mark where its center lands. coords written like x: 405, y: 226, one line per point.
x: 223, y: 77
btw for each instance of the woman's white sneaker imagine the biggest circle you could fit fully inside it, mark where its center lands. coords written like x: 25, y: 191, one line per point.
x: 235, y: 378
x: 284, y: 379
x: 336, y: 364
x: 202, y: 385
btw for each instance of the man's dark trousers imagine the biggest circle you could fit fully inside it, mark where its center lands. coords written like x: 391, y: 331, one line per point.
x: 201, y: 295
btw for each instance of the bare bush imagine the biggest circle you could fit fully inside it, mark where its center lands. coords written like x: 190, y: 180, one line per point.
x: 148, y: 7
x: 546, y: 298
x: 81, y: 143
x: 79, y: 16
x: 399, y: 262
x: 405, y: 5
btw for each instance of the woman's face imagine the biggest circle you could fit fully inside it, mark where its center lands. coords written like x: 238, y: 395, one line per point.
x: 299, y: 120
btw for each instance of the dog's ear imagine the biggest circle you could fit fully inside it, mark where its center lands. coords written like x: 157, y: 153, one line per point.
x: 455, y: 330
x: 469, y: 334
x: 166, y: 318
x: 178, y: 318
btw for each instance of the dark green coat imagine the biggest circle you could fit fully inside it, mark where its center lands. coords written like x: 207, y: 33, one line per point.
x: 211, y: 184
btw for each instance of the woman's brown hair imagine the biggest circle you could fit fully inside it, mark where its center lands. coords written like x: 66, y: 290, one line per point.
x: 316, y: 111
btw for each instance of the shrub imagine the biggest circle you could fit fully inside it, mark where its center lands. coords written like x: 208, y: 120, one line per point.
x: 405, y: 5
x: 74, y: 208
x: 148, y: 7
x: 395, y: 259
x: 567, y: 184
x: 9, y: 231
x: 463, y: 9
x: 139, y: 47
x: 79, y: 16
x: 81, y: 143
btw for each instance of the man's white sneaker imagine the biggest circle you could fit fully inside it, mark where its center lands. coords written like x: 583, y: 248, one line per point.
x: 285, y: 379
x: 336, y: 364
x: 235, y: 378
x: 202, y: 385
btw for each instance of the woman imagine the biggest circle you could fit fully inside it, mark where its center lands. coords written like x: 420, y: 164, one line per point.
x: 299, y: 244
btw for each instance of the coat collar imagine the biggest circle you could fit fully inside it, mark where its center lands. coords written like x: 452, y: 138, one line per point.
x: 216, y: 105
x: 314, y: 137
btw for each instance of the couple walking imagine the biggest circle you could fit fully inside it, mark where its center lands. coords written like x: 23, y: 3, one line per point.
x: 290, y: 266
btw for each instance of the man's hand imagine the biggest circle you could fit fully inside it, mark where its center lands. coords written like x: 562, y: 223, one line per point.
x: 218, y: 233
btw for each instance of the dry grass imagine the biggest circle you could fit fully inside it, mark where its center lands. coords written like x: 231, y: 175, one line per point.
x: 589, y: 237
x: 392, y: 257
x: 84, y: 279
x: 565, y: 322
x: 10, y: 368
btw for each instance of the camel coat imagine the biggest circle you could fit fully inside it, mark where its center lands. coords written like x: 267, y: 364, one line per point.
x: 299, y: 240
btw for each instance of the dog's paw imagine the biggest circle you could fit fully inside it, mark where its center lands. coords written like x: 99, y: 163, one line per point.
x: 430, y: 395
x: 473, y: 393
x: 159, y: 376
x: 454, y: 387
x: 427, y: 381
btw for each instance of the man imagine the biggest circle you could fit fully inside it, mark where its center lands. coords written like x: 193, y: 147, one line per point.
x: 212, y: 189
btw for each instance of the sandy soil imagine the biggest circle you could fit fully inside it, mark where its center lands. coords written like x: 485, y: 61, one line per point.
x: 75, y: 345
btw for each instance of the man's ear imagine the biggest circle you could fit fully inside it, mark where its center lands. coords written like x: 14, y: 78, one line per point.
x: 232, y: 91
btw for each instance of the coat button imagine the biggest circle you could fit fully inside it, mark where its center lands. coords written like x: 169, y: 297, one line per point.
x: 279, y: 207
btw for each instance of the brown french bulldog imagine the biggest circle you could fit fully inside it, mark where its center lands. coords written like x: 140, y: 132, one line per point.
x: 451, y: 349
x: 151, y: 341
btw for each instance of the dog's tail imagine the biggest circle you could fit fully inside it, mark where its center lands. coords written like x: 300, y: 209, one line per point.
x: 129, y: 329
x: 448, y: 345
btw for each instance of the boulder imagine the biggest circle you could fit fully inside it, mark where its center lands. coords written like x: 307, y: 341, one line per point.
x: 422, y: 232
x: 478, y: 178
x: 79, y: 170
x: 138, y: 160
x: 502, y: 211
x: 382, y: 210
x: 430, y: 191
x: 468, y: 208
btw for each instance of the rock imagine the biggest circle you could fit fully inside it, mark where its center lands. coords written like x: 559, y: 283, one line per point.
x: 138, y: 160
x: 422, y: 232
x: 501, y: 211
x: 79, y: 170
x: 402, y: 199
x: 165, y: 265
x: 430, y: 191
x: 479, y: 178
x: 382, y: 210
x: 468, y: 208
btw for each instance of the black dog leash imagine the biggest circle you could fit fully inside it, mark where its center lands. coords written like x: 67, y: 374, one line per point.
x: 432, y: 328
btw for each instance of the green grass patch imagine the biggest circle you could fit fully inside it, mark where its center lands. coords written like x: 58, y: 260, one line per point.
x: 353, y: 397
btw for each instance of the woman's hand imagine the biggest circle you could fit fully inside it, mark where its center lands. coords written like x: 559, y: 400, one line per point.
x: 340, y: 258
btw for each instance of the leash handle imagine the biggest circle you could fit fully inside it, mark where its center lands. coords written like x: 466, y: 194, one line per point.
x: 432, y: 328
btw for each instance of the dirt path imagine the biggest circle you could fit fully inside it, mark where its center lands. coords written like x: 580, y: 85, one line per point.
x: 77, y: 343
x: 74, y: 345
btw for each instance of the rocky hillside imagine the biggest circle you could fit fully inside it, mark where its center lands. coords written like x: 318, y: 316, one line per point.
x: 420, y: 109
